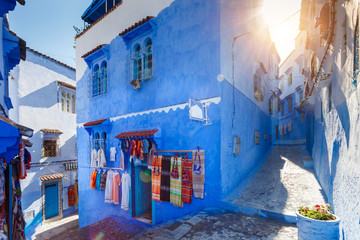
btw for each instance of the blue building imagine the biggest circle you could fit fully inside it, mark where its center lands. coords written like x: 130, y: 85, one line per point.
x: 197, y: 74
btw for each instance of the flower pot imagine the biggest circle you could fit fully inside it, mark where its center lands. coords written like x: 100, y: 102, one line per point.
x: 310, y: 229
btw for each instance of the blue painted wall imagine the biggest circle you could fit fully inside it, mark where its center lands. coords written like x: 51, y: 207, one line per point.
x: 185, y: 68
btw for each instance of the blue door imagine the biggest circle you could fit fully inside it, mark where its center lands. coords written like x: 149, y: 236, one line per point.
x: 142, y: 191
x: 51, y: 200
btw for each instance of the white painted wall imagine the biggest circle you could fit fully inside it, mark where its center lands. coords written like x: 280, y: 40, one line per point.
x: 34, y: 92
x: 124, y: 16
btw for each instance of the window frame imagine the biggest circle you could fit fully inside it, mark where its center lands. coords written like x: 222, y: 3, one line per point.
x: 98, y: 78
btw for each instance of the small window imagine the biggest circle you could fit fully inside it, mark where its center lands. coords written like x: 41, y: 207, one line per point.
x: 289, y: 79
x: 68, y: 102
x: 137, y: 63
x: 270, y: 105
x: 330, y: 98
x: 97, y: 84
x: 282, y: 108
x: 148, y: 60
x: 73, y: 104
x: 289, y: 101
x: 50, y: 148
x: 63, y: 102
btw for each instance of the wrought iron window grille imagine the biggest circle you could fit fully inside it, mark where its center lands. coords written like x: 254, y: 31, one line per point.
x: 139, y: 65
x: 97, y: 82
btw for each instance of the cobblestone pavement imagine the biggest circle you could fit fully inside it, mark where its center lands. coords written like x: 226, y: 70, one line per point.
x: 282, y: 184
x: 217, y: 223
x: 211, y: 223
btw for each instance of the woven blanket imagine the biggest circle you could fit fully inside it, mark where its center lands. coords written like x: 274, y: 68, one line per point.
x: 156, y: 179
x: 165, y: 179
x: 175, y: 184
x: 199, y: 179
x: 186, y: 187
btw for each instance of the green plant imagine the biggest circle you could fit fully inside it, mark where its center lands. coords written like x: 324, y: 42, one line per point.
x: 319, y: 212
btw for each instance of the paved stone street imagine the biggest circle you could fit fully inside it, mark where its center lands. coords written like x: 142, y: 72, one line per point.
x: 211, y: 223
x: 282, y: 184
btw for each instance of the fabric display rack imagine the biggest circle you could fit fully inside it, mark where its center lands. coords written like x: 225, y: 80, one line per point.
x: 12, y: 223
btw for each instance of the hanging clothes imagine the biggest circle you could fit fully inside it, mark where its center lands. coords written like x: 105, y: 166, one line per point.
x: 103, y: 180
x: 156, y: 178
x: 186, y: 185
x: 116, y: 181
x: 165, y: 178
x: 150, y: 155
x: 2, y: 185
x: 22, y: 160
x: 101, y: 158
x: 122, y: 160
x: 108, y: 186
x: 198, y: 179
x: 125, y: 189
x: 27, y: 159
x: 93, y: 179
x: 76, y: 193
x: 98, y: 178
x: 112, y: 154
x: 94, y: 158
x: 175, y: 182
x: 71, y: 196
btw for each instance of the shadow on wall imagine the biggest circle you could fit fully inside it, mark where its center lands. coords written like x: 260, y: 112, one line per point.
x: 334, y: 161
x: 41, y: 98
x: 341, y: 107
x: 68, y: 149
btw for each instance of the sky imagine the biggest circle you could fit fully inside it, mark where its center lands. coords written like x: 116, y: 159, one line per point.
x: 47, y: 25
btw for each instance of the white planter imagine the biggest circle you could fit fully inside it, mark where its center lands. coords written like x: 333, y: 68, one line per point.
x: 310, y: 229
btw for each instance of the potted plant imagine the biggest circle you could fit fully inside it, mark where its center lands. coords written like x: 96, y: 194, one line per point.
x: 317, y: 222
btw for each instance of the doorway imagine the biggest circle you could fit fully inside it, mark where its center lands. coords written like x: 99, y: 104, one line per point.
x: 277, y: 131
x: 141, y: 193
x: 52, y: 200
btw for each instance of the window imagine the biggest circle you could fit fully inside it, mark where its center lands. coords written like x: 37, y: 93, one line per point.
x: 289, y: 100
x: 301, y: 96
x: 63, y: 103
x: 73, y: 104
x: 139, y: 63
x: 289, y: 79
x: 257, y: 88
x: 50, y: 147
x: 97, y: 84
x: 68, y: 102
x: 270, y: 105
x: 282, y: 108
x: 330, y: 98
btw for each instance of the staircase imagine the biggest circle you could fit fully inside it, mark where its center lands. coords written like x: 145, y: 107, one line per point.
x: 280, y: 186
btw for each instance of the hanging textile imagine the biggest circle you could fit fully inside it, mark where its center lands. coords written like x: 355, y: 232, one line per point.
x: 27, y: 159
x: 22, y: 174
x: 93, y: 179
x: 98, y: 178
x: 103, y: 180
x: 101, y: 158
x: 108, y: 187
x: 150, y: 154
x: 18, y: 216
x: 122, y: 160
x: 94, y: 158
x: 116, y: 181
x: 71, y: 196
x: 175, y: 182
x: 165, y: 178
x: 198, y: 179
x: 112, y: 154
x: 2, y: 185
x: 125, y: 188
x: 186, y: 186
x: 76, y: 193
x: 156, y: 178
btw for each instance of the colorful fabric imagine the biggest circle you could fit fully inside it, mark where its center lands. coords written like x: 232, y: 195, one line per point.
x: 175, y: 183
x: 150, y: 154
x: 2, y: 186
x: 98, y: 178
x: 116, y: 181
x: 165, y: 178
x: 186, y: 185
x: 101, y: 158
x: 146, y: 145
x: 27, y: 159
x: 103, y: 181
x: 71, y: 196
x: 156, y: 178
x: 22, y: 160
x: 93, y: 179
x: 122, y: 160
x: 199, y: 179
x: 125, y: 189
x: 76, y: 193
x: 108, y: 187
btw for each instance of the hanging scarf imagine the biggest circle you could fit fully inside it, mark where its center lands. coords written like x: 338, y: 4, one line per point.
x: 186, y: 186
x: 199, y: 179
x: 156, y: 178
x: 165, y: 179
x: 175, y: 182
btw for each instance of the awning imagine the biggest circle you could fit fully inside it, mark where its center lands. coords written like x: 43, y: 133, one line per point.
x: 25, y: 131
x: 93, y: 123
x: 52, y: 176
x: 137, y: 134
x: 53, y: 131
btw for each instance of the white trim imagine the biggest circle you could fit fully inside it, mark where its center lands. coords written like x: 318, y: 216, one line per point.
x: 182, y: 106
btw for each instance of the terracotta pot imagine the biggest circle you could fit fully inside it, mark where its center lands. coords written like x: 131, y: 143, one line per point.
x: 310, y: 229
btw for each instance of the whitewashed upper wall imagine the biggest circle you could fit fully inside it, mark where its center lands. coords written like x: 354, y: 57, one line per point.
x: 34, y: 93
x: 124, y: 16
